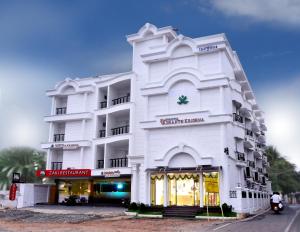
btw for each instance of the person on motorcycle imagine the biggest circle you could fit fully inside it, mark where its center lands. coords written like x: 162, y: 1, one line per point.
x: 276, y: 204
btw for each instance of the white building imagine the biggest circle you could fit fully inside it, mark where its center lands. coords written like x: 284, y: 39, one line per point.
x: 182, y: 128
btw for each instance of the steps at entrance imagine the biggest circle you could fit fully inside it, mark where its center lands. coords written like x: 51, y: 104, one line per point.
x: 181, y: 211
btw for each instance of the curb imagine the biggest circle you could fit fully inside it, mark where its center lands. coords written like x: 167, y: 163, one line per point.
x: 216, y: 218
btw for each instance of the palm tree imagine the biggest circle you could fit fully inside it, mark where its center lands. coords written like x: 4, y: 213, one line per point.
x: 23, y: 160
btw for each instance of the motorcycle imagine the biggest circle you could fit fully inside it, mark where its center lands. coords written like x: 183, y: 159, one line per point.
x: 277, y: 207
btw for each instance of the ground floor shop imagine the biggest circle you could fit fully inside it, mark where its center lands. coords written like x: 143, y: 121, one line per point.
x: 185, y: 188
x: 94, y: 190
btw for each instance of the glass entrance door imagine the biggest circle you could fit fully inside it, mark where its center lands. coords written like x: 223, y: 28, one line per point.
x: 183, y: 189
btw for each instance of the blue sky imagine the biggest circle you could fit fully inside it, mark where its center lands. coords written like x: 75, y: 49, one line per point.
x: 43, y: 42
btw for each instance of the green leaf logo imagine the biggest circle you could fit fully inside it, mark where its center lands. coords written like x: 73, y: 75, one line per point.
x: 182, y: 100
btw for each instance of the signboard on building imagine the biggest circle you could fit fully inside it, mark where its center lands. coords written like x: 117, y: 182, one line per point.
x: 176, y: 121
x: 65, y: 146
x: 208, y: 48
x: 64, y: 173
x: 13, y: 192
x: 211, y: 184
x: 115, y: 173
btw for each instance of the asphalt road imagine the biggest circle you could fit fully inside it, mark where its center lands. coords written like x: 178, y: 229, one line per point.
x: 287, y: 221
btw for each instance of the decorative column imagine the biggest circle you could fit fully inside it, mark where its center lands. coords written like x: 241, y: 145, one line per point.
x: 201, y: 189
x: 134, y: 183
x: 50, y: 139
x: 85, y: 101
x: 166, y: 195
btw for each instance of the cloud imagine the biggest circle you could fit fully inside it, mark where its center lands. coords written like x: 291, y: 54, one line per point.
x: 23, y: 103
x: 286, y: 12
x: 282, y: 112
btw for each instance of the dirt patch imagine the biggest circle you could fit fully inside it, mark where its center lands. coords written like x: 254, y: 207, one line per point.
x: 14, y: 220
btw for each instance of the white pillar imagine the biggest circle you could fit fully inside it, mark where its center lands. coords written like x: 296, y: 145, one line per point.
x: 201, y: 189
x: 53, y: 106
x: 83, y: 122
x: 166, y: 190
x: 51, y: 127
x: 48, y: 164
x: 81, y: 157
x: 134, y: 183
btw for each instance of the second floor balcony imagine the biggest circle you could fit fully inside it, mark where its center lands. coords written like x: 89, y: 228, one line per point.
x: 120, y: 130
x: 59, y: 137
x: 118, y: 162
x: 102, y: 133
x: 56, y: 165
x: 103, y: 104
x: 100, y: 164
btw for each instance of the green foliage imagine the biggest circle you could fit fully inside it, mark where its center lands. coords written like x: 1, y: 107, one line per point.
x: 24, y: 160
x: 133, y: 206
x: 282, y: 173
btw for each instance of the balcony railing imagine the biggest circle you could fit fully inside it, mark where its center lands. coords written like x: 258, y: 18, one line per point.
x: 121, y: 100
x: 240, y: 156
x: 120, y: 130
x: 251, y: 164
x: 119, y: 162
x: 56, y: 165
x: 58, y: 137
x: 103, y: 104
x: 249, y: 132
x: 61, y: 110
x: 260, y: 170
x: 101, y: 133
x: 100, y: 164
x: 237, y: 118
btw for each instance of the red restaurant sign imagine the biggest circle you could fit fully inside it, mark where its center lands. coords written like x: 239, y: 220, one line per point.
x: 12, y: 192
x: 65, y: 172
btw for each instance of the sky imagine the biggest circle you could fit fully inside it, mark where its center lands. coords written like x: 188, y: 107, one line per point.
x: 44, y: 42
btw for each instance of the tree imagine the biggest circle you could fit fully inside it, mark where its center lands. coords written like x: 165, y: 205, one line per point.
x: 282, y: 173
x: 24, y: 160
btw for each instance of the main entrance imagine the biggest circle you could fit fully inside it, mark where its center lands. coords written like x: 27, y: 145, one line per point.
x: 183, y: 189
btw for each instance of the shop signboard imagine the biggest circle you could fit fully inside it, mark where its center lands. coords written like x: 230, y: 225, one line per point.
x: 13, y: 192
x: 211, y: 184
x: 115, y: 173
x: 65, y: 146
x: 64, y: 173
x: 176, y: 121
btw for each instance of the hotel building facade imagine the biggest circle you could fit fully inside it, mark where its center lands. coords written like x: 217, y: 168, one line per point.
x: 182, y: 128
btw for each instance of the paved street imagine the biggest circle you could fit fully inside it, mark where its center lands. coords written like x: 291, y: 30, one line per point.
x: 269, y: 222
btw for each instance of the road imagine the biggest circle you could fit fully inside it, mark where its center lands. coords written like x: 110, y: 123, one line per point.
x: 287, y: 221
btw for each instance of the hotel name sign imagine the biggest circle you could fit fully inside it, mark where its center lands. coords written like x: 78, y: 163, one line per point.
x: 176, y: 121
x: 65, y: 146
x: 115, y: 173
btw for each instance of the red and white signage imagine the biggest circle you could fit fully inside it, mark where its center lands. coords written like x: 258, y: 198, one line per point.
x: 12, y: 192
x: 64, y: 173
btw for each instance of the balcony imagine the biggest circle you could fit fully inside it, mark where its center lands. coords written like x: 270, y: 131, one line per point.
x: 240, y: 156
x: 61, y: 110
x: 121, y: 100
x: 59, y: 137
x: 251, y: 164
x: 260, y: 170
x: 249, y: 132
x: 102, y: 133
x: 120, y: 130
x: 237, y: 118
x: 103, y: 104
x: 100, y: 164
x: 56, y: 165
x: 118, y: 162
